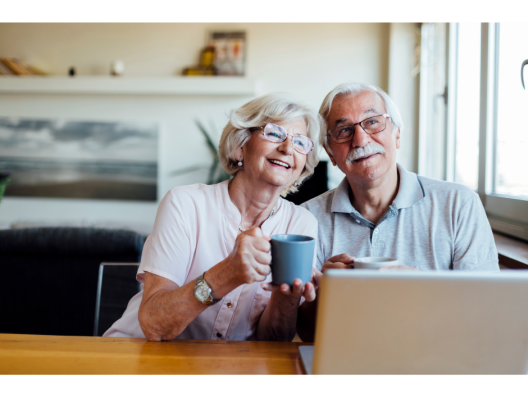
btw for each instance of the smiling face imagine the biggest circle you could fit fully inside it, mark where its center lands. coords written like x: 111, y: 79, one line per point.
x: 275, y: 163
x: 366, y: 157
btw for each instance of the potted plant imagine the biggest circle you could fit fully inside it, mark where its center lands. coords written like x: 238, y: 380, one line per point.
x: 217, y: 173
x: 4, y: 181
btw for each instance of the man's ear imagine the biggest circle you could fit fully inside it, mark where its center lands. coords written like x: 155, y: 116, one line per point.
x: 331, y: 156
x: 397, y: 137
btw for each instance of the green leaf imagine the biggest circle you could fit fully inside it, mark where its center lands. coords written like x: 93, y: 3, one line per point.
x: 3, y: 184
x: 208, y: 139
x: 212, y: 171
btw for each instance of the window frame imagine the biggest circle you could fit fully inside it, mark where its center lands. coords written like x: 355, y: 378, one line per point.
x: 506, y: 214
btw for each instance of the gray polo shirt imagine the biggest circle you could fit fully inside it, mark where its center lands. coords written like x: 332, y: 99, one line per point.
x: 431, y: 224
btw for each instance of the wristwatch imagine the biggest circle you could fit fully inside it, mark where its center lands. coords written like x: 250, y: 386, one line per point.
x: 202, y: 291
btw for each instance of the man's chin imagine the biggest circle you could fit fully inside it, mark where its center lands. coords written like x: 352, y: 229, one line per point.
x: 365, y: 170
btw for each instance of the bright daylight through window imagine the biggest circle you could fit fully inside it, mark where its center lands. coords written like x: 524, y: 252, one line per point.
x: 511, y: 144
x: 486, y: 134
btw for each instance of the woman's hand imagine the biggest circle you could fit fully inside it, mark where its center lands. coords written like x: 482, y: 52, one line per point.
x: 248, y: 262
x: 308, y: 291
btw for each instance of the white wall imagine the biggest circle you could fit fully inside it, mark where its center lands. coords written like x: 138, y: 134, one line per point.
x: 404, y: 63
x: 307, y: 60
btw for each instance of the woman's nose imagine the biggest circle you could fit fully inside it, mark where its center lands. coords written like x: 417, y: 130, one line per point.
x: 287, y: 145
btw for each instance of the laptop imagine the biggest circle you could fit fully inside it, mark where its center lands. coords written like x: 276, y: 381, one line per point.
x: 408, y: 322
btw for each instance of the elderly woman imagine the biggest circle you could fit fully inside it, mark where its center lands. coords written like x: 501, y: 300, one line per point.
x: 205, y: 267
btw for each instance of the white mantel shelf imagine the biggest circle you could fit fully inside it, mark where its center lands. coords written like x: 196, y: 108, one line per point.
x: 102, y: 85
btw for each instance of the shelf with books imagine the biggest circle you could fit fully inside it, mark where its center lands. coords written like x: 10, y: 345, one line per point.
x: 102, y: 85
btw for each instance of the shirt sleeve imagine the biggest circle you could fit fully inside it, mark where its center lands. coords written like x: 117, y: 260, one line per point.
x: 474, y: 247
x: 168, y: 250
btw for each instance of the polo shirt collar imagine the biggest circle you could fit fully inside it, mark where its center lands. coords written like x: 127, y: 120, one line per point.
x: 341, y: 200
x: 410, y: 192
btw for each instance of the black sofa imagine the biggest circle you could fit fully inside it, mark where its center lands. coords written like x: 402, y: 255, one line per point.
x: 50, y: 276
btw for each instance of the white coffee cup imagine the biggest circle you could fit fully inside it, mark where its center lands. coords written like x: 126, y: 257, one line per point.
x: 374, y: 262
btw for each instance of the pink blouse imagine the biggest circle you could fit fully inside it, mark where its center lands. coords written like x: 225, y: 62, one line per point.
x: 196, y: 227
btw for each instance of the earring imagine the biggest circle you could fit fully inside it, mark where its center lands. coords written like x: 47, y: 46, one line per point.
x: 295, y: 184
x: 239, y: 163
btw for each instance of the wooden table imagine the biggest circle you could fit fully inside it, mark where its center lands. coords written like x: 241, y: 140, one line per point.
x: 35, y: 354
x: 513, y: 253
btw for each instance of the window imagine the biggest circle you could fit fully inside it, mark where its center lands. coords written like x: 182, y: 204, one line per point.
x: 511, y: 145
x: 485, y: 144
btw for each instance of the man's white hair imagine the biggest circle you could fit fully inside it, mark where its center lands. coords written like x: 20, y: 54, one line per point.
x: 349, y: 89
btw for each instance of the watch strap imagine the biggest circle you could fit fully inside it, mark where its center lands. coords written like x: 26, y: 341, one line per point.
x: 211, y: 300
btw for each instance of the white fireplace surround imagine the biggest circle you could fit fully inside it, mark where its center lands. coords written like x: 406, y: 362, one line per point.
x: 172, y: 103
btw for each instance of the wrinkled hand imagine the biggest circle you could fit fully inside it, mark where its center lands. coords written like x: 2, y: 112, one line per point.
x: 398, y: 267
x: 341, y: 261
x: 249, y: 260
x: 298, y: 290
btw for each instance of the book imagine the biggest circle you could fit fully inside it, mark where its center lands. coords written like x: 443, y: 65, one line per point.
x: 16, y: 67
x: 4, y: 70
x: 34, y: 70
x: 13, y: 65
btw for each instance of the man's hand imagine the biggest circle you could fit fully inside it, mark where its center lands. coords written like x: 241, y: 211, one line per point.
x: 341, y: 261
x: 308, y: 291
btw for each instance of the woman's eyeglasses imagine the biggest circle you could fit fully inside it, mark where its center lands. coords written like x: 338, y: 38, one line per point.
x: 371, y: 125
x: 277, y: 134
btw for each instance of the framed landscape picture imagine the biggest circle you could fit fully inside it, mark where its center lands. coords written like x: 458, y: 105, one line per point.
x: 79, y: 159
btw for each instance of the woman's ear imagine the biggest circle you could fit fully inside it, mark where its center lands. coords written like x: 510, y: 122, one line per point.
x: 239, y: 154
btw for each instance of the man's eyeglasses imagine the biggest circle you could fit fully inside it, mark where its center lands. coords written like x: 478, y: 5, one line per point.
x: 277, y: 134
x: 371, y: 125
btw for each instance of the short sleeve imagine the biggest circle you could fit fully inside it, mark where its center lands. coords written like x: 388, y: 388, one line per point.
x: 474, y: 247
x: 168, y: 250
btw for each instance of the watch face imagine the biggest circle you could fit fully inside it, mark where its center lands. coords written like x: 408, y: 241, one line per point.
x: 202, y: 292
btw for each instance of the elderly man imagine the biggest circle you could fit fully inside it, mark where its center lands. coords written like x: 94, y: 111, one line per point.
x: 381, y: 209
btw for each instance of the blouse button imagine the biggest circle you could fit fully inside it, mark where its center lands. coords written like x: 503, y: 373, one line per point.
x: 229, y: 305
x: 219, y: 335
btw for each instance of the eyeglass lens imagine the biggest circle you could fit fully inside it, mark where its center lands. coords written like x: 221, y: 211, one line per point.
x: 370, y: 125
x: 276, y: 134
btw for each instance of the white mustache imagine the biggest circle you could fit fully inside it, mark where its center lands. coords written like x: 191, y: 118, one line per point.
x: 369, y: 149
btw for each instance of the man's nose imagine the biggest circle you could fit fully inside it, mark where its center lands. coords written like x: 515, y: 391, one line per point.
x: 361, y: 138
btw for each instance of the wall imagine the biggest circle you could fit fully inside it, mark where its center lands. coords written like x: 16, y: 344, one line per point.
x: 307, y: 60
x: 403, y: 87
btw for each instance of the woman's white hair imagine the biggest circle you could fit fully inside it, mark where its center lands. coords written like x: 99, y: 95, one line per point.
x: 353, y: 89
x: 272, y: 108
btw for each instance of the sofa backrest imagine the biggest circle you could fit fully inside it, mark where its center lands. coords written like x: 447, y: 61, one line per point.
x: 50, y: 276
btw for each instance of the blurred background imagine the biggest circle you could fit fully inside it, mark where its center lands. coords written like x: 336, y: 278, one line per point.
x: 152, y: 93
x: 100, y: 120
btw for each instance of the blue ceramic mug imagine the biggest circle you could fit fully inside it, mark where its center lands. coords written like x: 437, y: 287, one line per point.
x: 291, y: 258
